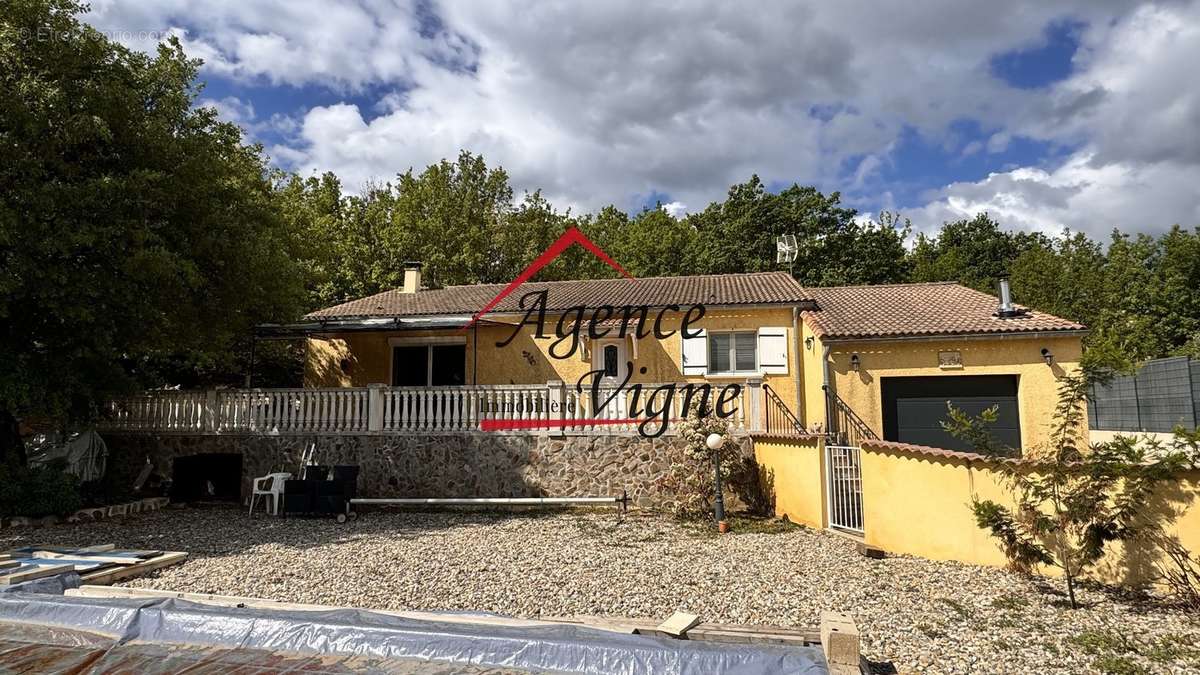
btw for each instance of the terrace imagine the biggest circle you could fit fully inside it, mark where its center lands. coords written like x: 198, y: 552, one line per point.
x: 553, y: 407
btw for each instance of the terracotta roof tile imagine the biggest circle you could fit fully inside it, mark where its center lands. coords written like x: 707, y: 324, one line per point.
x: 914, y: 310
x: 840, y: 312
x: 927, y: 451
x: 761, y: 288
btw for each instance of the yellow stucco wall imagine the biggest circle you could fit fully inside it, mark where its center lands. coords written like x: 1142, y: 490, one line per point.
x: 921, y: 505
x: 527, y: 360
x: 795, y: 471
x: 812, y: 366
x: 1037, y: 387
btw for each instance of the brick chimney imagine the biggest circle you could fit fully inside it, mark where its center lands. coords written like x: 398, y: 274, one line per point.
x: 412, y: 277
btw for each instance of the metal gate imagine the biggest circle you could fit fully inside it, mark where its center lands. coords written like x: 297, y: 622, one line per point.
x: 843, y: 487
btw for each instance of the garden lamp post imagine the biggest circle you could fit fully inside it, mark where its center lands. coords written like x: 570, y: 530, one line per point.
x: 714, y: 443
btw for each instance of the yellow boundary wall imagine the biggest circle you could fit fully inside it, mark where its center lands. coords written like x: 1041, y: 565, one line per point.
x: 918, y: 501
x: 793, y: 464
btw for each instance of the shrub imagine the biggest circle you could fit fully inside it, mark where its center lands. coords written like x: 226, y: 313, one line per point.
x: 754, y: 485
x: 38, y: 491
x: 1179, y: 570
x: 689, y: 482
x: 1071, y: 501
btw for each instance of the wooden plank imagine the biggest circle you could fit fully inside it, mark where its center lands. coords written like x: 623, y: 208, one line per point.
x: 677, y: 624
x: 98, y: 548
x: 129, y: 571
x: 713, y: 632
x: 117, y: 559
x: 77, y: 565
x: 92, y: 591
x: 7, y: 564
x: 765, y: 636
x: 30, y: 575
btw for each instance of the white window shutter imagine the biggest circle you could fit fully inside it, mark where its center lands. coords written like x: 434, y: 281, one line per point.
x: 773, y: 350
x: 695, y: 353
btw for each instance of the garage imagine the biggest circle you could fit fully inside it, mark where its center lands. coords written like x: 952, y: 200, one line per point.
x: 915, y: 407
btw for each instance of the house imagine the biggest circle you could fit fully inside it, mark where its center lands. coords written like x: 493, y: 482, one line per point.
x: 855, y: 361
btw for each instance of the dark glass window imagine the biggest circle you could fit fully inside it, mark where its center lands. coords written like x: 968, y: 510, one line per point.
x: 611, y: 366
x: 412, y: 366
x: 409, y: 366
x: 718, y: 353
x: 732, y: 352
x: 745, y: 351
x: 449, y: 365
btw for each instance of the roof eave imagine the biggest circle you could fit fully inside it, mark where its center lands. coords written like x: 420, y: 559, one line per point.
x: 802, y: 304
x: 1066, y: 332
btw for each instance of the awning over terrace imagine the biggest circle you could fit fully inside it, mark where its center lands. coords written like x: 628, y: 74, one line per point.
x: 301, y: 329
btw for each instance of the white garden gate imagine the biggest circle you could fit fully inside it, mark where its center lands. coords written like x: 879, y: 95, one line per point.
x: 843, y: 487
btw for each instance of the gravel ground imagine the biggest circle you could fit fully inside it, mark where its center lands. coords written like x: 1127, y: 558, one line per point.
x: 916, y: 615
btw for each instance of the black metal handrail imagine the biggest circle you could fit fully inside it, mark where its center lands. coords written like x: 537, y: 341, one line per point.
x: 842, y: 425
x: 779, y: 417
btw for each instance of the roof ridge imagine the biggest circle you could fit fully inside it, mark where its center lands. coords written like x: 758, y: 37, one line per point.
x: 892, y: 285
x: 654, y: 278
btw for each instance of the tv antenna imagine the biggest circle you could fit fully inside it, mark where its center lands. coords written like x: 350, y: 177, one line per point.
x: 786, y: 250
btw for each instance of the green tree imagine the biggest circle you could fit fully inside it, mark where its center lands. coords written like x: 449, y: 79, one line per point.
x: 139, y: 237
x: 653, y: 244
x: 449, y: 217
x: 974, y: 252
x: 1071, y: 500
x: 314, y: 209
x: 738, y: 235
x: 1178, y: 297
x: 1127, y: 326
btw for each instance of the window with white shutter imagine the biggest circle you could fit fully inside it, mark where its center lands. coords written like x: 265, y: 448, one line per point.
x: 773, y: 350
x: 695, y: 353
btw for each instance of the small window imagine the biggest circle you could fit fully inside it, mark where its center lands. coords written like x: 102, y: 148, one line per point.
x: 611, y: 356
x: 732, y: 352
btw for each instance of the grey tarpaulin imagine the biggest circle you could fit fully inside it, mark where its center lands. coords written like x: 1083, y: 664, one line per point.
x: 560, y: 648
x: 54, y: 585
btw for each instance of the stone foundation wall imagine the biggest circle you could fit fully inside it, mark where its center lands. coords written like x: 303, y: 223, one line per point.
x: 461, y: 465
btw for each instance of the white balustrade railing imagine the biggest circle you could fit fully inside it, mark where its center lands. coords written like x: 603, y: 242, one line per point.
x: 527, y: 408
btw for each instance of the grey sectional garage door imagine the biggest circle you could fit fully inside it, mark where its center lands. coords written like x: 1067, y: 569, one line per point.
x: 915, y: 407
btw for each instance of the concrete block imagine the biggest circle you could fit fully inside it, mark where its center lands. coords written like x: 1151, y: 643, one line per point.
x: 839, y: 639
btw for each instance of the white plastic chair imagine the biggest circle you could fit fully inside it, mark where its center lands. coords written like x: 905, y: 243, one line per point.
x: 270, y: 486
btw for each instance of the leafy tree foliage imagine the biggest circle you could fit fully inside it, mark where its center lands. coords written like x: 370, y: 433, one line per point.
x: 973, y: 252
x: 1071, y: 500
x: 738, y: 235
x: 138, y: 234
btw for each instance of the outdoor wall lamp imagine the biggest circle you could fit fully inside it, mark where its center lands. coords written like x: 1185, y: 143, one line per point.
x: 714, y: 443
x: 855, y: 362
x: 1047, y: 356
x: 808, y: 342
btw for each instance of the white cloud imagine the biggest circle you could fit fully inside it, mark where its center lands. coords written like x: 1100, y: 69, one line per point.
x: 231, y: 109
x: 676, y: 209
x: 602, y: 102
x: 1133, y: 108
x: 1081, y: 194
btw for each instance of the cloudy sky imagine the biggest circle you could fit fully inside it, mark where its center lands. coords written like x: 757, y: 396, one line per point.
x: 1085, y: 114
